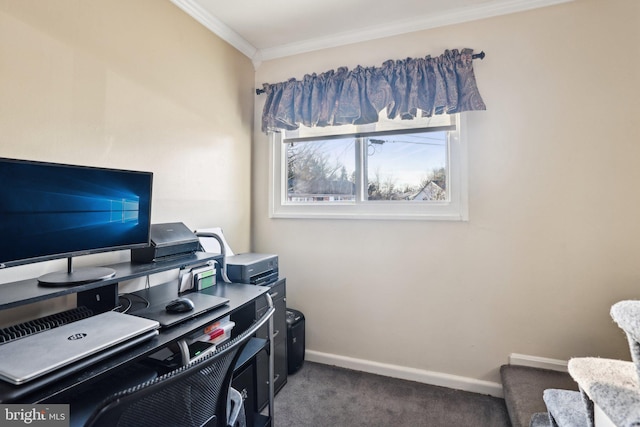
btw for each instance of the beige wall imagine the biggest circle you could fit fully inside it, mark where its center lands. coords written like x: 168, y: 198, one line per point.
x: 132, y: 85
x: 554, y: 232
x: 553, y: 235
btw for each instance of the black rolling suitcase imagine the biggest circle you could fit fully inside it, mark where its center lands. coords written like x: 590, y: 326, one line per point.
x: 295, y: 340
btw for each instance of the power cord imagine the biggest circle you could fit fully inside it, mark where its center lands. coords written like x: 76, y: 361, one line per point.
x: 119, y: 307
x: 126, y: 297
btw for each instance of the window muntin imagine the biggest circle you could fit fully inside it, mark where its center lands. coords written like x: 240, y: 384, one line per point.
x: 413, y: 169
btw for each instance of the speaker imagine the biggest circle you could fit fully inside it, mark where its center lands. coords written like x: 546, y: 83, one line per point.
x: 295, y: 340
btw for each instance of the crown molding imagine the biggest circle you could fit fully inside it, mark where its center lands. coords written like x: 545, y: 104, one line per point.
x: 192, y: 8
x: 419, y: 23
x: 425, y: 22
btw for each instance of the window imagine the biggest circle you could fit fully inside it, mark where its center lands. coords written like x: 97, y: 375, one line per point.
x: 125, y: 210
x: 392, y: 169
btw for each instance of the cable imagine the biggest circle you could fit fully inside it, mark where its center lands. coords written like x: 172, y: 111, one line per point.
x: 127, y: 298
x: 146, y: 301
x: 120, y: 306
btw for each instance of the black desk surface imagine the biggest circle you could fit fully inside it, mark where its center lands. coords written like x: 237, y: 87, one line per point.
x: 28, y: 291
x: 39, y: 390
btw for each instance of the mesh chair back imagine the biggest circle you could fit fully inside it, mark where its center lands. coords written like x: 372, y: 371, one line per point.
x: 193, y: 395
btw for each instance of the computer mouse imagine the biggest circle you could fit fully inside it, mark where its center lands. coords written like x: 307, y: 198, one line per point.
x: 180, y: 305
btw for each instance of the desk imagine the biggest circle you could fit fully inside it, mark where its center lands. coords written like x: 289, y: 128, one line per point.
x: 23, y: 292
x: 241, y: 302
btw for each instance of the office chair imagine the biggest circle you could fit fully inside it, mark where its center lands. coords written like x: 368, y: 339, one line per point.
x: 194, y: 395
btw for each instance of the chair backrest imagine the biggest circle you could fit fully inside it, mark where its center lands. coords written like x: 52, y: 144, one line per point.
x: 193, y: 395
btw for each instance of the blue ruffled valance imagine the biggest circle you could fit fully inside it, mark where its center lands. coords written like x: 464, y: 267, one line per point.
x: 442, y: 85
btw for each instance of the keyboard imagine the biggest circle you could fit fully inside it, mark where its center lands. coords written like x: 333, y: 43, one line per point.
x: 21, y: 330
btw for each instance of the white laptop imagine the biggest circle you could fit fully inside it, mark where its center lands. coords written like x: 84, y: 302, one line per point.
x: 35, y: 355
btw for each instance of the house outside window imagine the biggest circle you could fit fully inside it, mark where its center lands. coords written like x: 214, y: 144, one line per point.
x: 391, y: 169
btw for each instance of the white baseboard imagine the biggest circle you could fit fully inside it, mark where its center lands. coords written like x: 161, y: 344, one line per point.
x: 538, y: 362
x: 405, y: 373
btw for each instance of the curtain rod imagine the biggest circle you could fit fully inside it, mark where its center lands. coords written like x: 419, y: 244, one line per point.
x: 480, y: 56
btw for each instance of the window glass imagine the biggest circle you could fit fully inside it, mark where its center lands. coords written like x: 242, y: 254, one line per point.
x: 413, y: 169
x: 321, y: 170
x: 410, y: 166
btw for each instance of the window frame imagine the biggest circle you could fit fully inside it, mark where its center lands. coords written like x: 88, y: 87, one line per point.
x: 455, y: 209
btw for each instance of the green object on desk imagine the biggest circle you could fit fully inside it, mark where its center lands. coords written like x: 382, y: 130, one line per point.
x: 206, y: 279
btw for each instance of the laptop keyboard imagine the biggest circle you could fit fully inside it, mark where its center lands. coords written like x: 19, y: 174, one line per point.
x: 20, y: 330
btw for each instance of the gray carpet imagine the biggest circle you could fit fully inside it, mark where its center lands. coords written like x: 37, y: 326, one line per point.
x: 627, y: 315
x: 323, y: 395
x: 523, y: 389
x: 566, y: 407
x: 540, y: 419
x: 612, y: 385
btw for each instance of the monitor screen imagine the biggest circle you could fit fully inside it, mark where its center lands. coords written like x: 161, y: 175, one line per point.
x: 50, y: 210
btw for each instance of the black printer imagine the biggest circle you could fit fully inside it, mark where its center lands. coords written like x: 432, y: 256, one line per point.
x: 252, y: 268
x: 168, y: 240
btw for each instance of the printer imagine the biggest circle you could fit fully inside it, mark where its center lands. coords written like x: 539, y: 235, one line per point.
x: 168, y: 240
x: 252, y: 268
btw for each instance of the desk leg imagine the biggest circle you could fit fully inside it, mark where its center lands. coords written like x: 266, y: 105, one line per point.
x: 272, y: 352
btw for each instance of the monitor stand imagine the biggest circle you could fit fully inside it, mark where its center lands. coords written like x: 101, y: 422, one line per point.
x: 78, y: 276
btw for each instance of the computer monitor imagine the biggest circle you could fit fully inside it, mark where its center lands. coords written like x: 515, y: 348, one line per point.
x: 50, y: 211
